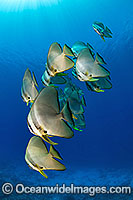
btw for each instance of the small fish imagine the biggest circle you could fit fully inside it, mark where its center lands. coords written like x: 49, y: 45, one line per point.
x: 45, y: 118
x: 88, y: 68
x: 58, y: 60
x: 38, y: 158
x: 28, y: 89
x: 102, y: 30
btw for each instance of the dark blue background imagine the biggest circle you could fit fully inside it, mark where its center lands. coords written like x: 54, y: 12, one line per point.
x: 25, y: 37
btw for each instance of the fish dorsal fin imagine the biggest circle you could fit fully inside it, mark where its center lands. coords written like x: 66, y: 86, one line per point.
x: 34, y: 79
x: 99, y: 59
x: 108, y: 30
x: 67, y: 51
x: 55, y: 153
x: 89, y: 46
x: 27, y: 75
x: 84, y: 58
x: 48, y: 96
x: 99, y: 24
x: 54, y: 51
x: 38, y: 144
x: 78, y: 45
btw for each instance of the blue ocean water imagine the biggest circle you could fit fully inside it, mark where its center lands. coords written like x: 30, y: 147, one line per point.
x: 106, y: 142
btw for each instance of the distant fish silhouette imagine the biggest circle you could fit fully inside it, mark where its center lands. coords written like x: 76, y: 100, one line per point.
x: 102, y: 30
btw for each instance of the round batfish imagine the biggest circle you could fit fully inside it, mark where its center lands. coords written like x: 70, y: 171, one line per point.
x: 57, y: 60
x: 88, y: 68
x: 45, y: 118
x: 28, y: 89
x: 38, y: 158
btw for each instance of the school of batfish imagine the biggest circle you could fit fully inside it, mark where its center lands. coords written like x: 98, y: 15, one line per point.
x: 59, y: 110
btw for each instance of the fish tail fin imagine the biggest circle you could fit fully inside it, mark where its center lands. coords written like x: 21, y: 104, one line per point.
x: 55, y: 153
x: 67, y: 114
x: 67, y: 50
x: 43, y: 174
x: 34, y: 80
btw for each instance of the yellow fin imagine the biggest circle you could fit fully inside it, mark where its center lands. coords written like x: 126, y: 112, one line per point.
x: 27, y: 103
x: 93, y: 79
x: 74, y: 117
x: 87, y: 73
x: 43, y: 174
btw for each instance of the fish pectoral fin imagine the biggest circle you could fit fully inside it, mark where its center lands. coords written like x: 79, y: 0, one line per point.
x: 55, y: 153
x: 27, y: 103
x: 93, y: 79
x: 45, y: 137
x: 98, y: 90
x: 62, y: 74
x: 77, y: 129
x: 43, y: 174
x: 52, y: 85
x: 74, y: 117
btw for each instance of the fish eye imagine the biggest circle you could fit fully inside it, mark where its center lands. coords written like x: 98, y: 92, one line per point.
x: 29, y: 98
x: 45, y: 131
x: 90, y: 75
x: 55, y: 70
